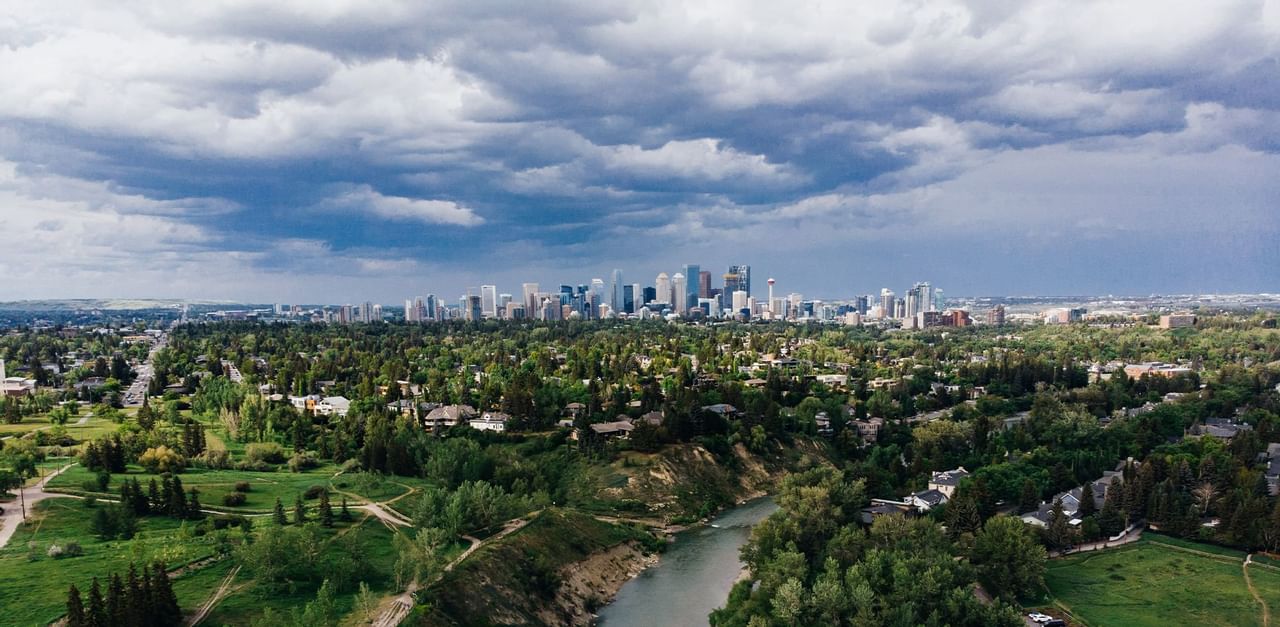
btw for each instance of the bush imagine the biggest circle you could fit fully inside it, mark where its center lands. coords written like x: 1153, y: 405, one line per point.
x: 303, y: 461
x: 233, y: 499
x: 264, y: 453
x: 90, y: 485
x: 314, y: 492
x: 54, y: 551
x: 162, y: 459
x: 242, y: 486
x: 72, y: 549
x: 253, y: 466
x: 213, y: 460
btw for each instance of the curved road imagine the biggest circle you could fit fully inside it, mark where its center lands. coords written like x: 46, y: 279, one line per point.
x: 12, y: 515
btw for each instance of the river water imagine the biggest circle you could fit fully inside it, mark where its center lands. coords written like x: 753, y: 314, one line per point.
x: 693, y: 576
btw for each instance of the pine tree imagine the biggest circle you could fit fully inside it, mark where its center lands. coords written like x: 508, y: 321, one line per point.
x: 177, y: 499
x: 1029, y: 500
x: 299, y: 511
x: 165, y: 495
x: 97, y: 616
x: 166, y: 608
x: 115, y: 601
x: 346, y: 513
x: 326, y: 512
x: 75, y: 608
x: 153, y: 497
x: 135, y: 602
x: 1087, y: 506
x: 193, y: 504
x: 278, y: 514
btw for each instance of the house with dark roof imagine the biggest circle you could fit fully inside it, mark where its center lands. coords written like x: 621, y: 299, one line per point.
x: 946, y: 481
x: 449, y: 415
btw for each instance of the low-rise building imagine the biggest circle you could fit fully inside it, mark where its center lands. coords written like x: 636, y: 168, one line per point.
x: 491, y: 421
x: 947, y: 481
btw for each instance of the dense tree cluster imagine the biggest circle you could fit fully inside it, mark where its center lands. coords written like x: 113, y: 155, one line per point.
x: 135, y: 600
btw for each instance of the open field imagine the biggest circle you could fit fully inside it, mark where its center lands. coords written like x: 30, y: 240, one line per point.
x: 34, y: 592
x: 1161, y: 581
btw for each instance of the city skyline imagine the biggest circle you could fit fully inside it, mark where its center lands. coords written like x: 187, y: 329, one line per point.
x: 1040, y: 147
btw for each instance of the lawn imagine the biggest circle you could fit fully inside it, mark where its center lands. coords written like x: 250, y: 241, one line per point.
x: 34, y: 592
x: 1161, y: 582
x: 265, y: 487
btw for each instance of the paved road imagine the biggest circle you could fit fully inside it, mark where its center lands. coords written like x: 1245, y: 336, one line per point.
x: 12, y: 515
x: 138, y: 389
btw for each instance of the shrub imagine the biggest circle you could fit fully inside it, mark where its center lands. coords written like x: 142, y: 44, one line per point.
x: 72, y: 549
x: 233, y: 499
x: 162, y: 459
x: 264, y: 452
x: 213, y: 460
x: 90, y: 485
x: 303, y: 461
x: 242, y: 486
x: 54, y: 551
x: 314, y: 492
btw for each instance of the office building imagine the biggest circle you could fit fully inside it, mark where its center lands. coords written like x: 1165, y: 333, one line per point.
x: 679, y: 294
x: 692, y: 271
x: 662, y: 285
x: 489, y: 301
x: 704, y: 284
x: 738, y: 278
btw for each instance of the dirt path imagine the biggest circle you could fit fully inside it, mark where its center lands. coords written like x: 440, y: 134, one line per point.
x: 12, y: 515
x: 398, y: 610
x: 218, y: 595
x: 1266, y: 611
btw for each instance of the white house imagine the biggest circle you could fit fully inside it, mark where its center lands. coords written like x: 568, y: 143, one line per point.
x: 491, y: 421
x: 330, y: 405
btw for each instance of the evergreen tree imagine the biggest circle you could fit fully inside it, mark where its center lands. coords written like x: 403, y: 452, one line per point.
x: 326, y: 512
x: 1059, y: 533
x: 277, y: 514
x: 1087, y: 506
x: 115, y: 601
x: 346, y: 513
x: 299, y: 511
x: 75, y: 608
x: 177, y: 499
x: 1029, y: 500
x: 153, y: 497
x: 135, y: 602
x: 97, y: 616
x: 193, y: 504
x: 165, y: 603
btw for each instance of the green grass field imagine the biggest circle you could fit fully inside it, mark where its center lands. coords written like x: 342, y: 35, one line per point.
x: 1161, y: 581
x: 213, y: 485
x: 34, y: 592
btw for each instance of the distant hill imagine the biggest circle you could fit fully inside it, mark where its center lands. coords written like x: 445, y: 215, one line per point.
x: 110, y: 304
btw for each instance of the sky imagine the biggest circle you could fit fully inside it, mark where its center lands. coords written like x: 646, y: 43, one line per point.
x: 329, y: 151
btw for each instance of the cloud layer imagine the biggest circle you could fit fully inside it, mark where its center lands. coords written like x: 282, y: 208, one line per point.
x: 340, y: 151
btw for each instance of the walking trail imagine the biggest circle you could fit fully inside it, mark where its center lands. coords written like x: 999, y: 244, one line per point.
x: 1266, y: 611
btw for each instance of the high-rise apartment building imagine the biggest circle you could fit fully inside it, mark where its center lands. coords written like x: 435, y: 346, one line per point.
x: 662, y: 287
x: 615, y: 291
x: 530, y: 293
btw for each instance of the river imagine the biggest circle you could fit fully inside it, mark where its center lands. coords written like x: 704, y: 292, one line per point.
x: 693, y: 576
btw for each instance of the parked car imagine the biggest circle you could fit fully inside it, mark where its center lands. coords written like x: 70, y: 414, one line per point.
x: 1056, y: 622
x: 1039, y: 618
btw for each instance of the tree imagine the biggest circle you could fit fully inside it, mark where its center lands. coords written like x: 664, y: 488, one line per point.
x: 1029, y: 499
x: 97, y: 616
x: 299, y: 511
x: 277, y: 514
x: 346, y: 513
x: 164, y: 601
x: 162, y: 459
x: 115, y: 601
x: 326, y: 512
x: 1059, y: 533
x: 420, y: 556
x: 1087, y: 506
x: 1008, y: 558
x: 75, y: 608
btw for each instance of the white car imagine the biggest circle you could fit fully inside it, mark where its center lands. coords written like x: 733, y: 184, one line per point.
x: 1039, y: 618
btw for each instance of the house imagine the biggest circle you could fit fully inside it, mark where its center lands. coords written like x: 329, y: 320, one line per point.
x: 884, y: 507
x: 823, y: 422
x: 333, y: 405
x: 305, y: 403
x: 946, y: 481
x: 925, y: 500
x: 869, y: 429
x: 1220, y: 428
x: 833, y: 380
x: 1154, y: 368
x: 87, y: 384
x: 491, y: 421
x: 724, y: 410
x: 653, y: 418
x: 1272, y: 471
x: 573, y: 409
x: 1071, y: 499
x: 618, y: 429
x: 448, y: 416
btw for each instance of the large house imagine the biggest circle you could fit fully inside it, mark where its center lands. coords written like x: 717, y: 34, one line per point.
x: 491, y: 421
x: 333, y: 405
x: 449, y: 415
x: 15, y: 386
x: 946, y: 481
x: 1220, y: 428
x: 1071, y: 500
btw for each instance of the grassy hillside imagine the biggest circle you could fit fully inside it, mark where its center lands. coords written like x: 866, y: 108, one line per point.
x: 1158, y: 583
x: 522, y: 578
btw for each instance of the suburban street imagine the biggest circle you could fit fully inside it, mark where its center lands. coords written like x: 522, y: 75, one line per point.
x: 137, y: 391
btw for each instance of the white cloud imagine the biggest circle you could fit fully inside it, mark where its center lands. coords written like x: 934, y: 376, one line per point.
x: 363, y: 198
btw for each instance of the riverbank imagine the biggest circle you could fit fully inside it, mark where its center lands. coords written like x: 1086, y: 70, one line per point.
x: 693, y: 576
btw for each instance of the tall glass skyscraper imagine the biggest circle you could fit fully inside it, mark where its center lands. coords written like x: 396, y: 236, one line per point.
x: 615, y: 292
x: 691, y: 273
